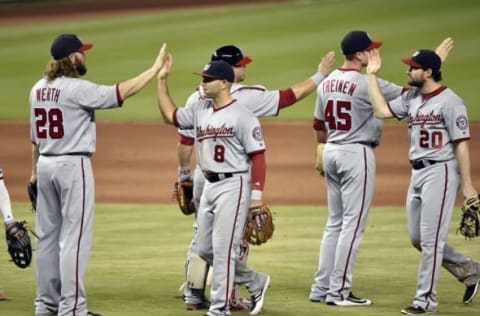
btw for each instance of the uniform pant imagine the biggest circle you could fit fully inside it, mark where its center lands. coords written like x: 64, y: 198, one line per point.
x: 430, y: 203
x: 64, y: 221
x: 350, y: 177
x: 221, y: 219
x: 244, y: 275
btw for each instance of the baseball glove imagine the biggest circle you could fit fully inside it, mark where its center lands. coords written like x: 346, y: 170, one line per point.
x: 259, y: 226
x: 19, y: 245
x: 470, y: 223
x: 184, y: 196
x: 32, y: 193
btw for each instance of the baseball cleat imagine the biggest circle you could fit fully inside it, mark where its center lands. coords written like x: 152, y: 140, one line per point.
x: 413, y: 310
x: 93, y: 314
x: 258, y: 298
x: 351, y: 300
x: 197, y: 306
x: 470, y: 292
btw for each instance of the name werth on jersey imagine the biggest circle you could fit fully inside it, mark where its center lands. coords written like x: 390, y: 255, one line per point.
x: 48, y: 94
x: 214, y: 132
x: 422, y: 119
x: 341, y: 86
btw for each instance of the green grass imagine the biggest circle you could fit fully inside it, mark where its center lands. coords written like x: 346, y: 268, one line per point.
x: 136, y: 264
x: 286, y: 41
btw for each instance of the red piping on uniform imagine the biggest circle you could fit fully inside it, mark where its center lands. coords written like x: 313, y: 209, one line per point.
x: 79, y: 240
x: 438, y: 231
x: 231, y: 240
x: 358, y: 222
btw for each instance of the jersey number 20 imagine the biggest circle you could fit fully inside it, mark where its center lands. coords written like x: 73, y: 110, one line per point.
x: 49, y: 123
x: 337, y: 115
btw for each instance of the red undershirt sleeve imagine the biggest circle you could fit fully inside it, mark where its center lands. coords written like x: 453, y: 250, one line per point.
x: 185, y: 140
x: 258, y: 170
x: 287, y: 98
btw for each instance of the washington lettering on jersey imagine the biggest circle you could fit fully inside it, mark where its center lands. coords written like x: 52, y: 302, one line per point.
x: 48, y: 94
x: 215, y: 132
x: 425, y: 119
x: 341, y: 86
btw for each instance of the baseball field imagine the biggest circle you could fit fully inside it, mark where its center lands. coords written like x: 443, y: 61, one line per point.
x: 141, y: 238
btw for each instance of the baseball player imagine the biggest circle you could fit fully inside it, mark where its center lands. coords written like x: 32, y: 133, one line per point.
x: 6, y: 209
x: 229, y: 142
x: 438, y: 132
x: 261, y: 102
x: 63, y: 136
x: 347, y: 133
x: 344, y: 122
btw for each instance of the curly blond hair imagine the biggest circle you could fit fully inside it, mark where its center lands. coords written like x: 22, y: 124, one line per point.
x: 59, y: 68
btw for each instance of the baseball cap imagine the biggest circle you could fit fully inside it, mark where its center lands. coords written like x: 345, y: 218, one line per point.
x: 218, y: 69
x: 232, y: 55
x: 66, y: 44
x: 358, y: 41
x: 424, y: 58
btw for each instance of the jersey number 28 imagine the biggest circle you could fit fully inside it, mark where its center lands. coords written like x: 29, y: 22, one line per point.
x: 49, y: 123
x: 337, y: 115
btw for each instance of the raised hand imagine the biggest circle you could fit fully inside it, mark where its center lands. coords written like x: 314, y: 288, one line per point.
x: 167, y: 66
x: 326, y: 64
x: 374, y: 62
x: 444, y: 48
x: 160, y: 58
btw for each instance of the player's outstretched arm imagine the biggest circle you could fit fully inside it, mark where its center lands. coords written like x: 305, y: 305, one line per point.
x: 444, y: 48
x: 165, y: 103
x: 306, y: 87
x: 132, y: 86
x: 379, y: 105
x: 463, y: 156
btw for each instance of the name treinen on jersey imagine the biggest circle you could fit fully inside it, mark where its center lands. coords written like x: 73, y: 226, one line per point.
x: 341, y: 86
x: 214, y: 132
x: 48, y: 94
x: 422, y: 119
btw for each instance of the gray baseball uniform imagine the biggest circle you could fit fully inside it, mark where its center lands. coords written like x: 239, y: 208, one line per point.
x: 344, y: 112
x: 261, y: 102
x: 435, y: 122
x: 224, y: 139
x: 5, y: 204
x: 63, y: 127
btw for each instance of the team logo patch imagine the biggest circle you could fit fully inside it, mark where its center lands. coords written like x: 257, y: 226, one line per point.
x: 257, y: 134
x: 462, y: 122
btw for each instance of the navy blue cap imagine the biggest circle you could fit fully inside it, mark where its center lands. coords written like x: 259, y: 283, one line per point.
x: 232, y: 55
x: 66, y: 44
x: 358, y: 41
x: 218, y: 69
x: 425, y: 59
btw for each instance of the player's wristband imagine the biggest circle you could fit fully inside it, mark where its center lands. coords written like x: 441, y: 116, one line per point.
x: 9, y: 221
x: 256, y: 195
x: 184, y: 173
x: 317, y: 78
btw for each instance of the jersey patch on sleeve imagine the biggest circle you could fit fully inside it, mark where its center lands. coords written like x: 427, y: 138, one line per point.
x: 257, y: 134
x: 462, y: 122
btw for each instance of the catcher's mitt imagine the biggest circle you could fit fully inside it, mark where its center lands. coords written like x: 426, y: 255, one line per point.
x: 184, y: 196
x: 19, y: 245
x: 259, y: 226
x: 32, y: 193
x: 470, y: 223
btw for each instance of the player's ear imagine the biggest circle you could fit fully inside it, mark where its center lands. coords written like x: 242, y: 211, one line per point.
x: 428, y: 73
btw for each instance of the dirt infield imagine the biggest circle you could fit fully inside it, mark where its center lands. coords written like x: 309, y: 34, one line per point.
x: 136, y: 163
